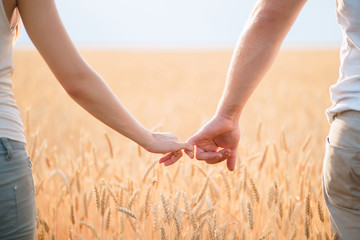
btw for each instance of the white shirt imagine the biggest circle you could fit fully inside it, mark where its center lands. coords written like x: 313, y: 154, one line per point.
x: 345, y: 94
x: 11, y: 125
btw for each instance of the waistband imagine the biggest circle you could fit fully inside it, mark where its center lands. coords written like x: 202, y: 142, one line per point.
x: 15, y: 145
x: 349, y: 114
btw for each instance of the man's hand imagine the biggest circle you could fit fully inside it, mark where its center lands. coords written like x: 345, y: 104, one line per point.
x: 256, y: 50
x: 216, y: 141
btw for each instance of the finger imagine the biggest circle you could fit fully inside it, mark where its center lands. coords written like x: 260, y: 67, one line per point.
x: 178, y: 146
x: 231, y: 161
x: 166, y: 157
x: 202, y: 155
x: 190, y: 153
x: 173, y: 159
x: 225, y: 154
x: 214, y: 161
x: 187, y: 147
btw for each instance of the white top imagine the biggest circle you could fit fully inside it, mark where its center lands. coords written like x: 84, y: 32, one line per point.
x: 11, y: 125
x: 345, y: 94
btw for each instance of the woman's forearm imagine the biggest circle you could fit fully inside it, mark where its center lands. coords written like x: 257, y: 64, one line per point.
x: 92, y: 93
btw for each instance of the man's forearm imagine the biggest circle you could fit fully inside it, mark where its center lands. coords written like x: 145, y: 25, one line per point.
x: 256, y: 50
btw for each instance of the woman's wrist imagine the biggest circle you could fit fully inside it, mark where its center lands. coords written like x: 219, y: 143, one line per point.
x: 146, y: 139
x: 138, y: 134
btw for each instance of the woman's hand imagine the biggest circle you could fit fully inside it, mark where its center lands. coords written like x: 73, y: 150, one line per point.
x: 165, y: 143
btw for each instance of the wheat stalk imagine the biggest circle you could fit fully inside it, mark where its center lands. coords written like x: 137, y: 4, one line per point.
x: 178, y: 226
x: 126, y: 211
x: 163, y: 234
x: 206, y: 212
x: 132, y: 199
x: 45, y: 225
x: 155, y: 219
x: 148, y: 169
x: 306, y: 143
x: 270, y: 197
x: 263, y: 158
x: 254, y: 190
x: 176, y: 203
x: 227, y: 184
x: 320, y: 212
x: 166, y: 208
x: 113, y: 195
x: 203, y: 189
x: 148, y: 201
x: 103, y: 201
x: 250, y: 215
x: 108, y: 219
x: 308, y: 211
x: 307, y: 227
x: 293, y: 236
x: 72, y: 216
x: 188, y: 211
x: 110, y: 145
x: 93, y: 229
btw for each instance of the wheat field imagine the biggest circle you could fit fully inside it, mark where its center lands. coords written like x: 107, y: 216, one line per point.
x: 92, y: 183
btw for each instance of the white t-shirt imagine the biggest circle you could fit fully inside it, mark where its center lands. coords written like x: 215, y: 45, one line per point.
x: 345, y: 94
x: 11, y: 125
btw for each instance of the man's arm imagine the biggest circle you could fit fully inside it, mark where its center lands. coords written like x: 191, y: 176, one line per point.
x: 256, y: 50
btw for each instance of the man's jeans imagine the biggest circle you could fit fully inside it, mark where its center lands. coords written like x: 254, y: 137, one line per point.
x: 341, y: 175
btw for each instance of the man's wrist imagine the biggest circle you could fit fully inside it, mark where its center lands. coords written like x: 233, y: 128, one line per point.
x: 231, y: 113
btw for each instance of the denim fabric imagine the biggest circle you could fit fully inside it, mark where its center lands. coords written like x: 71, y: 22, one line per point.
x: 341, y: 175
x: 17, y: 195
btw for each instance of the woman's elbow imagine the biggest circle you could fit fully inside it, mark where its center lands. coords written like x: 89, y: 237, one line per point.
x: 73, y: 83
x: 73, y: 90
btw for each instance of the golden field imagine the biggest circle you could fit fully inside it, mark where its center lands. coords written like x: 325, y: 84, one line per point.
x: 92, y: 183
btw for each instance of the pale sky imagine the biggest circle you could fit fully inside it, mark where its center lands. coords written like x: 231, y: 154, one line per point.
x: 182, y: 24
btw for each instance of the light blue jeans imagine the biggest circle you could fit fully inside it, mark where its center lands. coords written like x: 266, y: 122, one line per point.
x: 17, y: 195
x: 341, y: 175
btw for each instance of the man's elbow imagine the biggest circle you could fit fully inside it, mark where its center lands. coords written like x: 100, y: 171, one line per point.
x: 268, y: 16
x: 277, y: 11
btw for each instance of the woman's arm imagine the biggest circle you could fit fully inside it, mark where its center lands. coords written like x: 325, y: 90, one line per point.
x: 84, y: 85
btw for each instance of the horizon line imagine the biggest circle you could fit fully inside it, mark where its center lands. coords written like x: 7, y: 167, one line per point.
x: 174, y: 47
